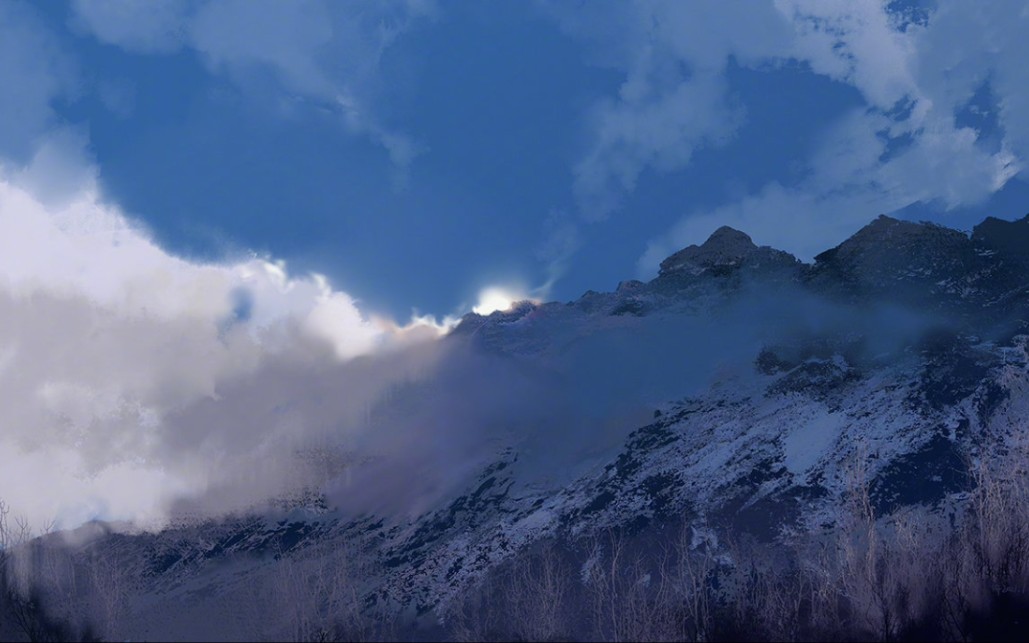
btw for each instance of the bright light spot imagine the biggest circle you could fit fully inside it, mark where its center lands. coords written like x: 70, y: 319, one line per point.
x: 494, y: 298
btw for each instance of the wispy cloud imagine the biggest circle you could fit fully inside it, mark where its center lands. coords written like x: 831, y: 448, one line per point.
x: 673, y: 99
x: 325, y: 52
x: 847, y: 184
x: 35, y: 70
x: 915, y: 68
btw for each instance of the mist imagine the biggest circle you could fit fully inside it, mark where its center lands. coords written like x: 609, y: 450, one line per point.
x: 144, y: 388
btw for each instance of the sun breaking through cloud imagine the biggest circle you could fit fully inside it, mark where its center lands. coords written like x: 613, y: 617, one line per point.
x: 500, y: 298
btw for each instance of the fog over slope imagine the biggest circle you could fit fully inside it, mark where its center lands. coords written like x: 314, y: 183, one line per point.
x: 143, y: 387
x: 106, y: 339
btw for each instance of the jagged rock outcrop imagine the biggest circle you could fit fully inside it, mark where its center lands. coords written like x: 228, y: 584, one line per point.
x: 725, y: 250
x: 920, y: 263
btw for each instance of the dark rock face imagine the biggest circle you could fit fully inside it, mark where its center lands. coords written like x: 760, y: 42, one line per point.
x: 982, y: 279
x: 902, y: 261
x: 1004, y: 246
x: 726, y: 247
x: 1009, y: 240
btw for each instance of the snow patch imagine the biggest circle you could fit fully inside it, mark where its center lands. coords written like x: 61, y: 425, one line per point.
x: 810, y: 440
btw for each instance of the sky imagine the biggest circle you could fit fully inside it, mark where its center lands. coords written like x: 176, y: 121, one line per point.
x: 417, y: 152
x: 190, y: 191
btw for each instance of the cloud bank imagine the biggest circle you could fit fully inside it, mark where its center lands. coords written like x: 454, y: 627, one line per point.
x: 105, y: 337
x: 143, y: 387
x: 139, y: 386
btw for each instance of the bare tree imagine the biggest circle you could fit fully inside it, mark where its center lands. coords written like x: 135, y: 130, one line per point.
x: 688, y: 567
x: 25, y: 602
x: 108, y: 590
x: 537, y: 588
x: 318, y: 593
x: 1001, y: 521
x: 633, y: 596
x: 477, y: 614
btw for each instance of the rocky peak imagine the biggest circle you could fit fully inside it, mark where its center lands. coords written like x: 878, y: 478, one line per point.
x: 729, y: 240
x: 724, y: 251
x: 725, y: 247
x: 888, y: 244
x: 915, y: 262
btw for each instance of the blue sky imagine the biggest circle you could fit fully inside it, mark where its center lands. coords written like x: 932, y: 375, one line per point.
x: 228, y: 229
x: 416, y: 152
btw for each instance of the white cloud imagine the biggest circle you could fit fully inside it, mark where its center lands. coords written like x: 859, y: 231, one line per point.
x: 673, y: 100
x: 661, y: 130
x: 140, y: 386
x: 106, y: 340
x: 969, y: 44
x: 156, y: 26
x: 859, y: 43
x: 286, y: 37
x: 325, y: 52
x: 115, y: 355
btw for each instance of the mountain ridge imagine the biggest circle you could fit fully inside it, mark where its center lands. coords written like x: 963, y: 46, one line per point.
x: 979, y: 274
x: 900, y: 353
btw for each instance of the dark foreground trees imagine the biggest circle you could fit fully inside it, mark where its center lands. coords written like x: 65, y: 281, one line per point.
x: 955, y: 571
x: 26, y: 609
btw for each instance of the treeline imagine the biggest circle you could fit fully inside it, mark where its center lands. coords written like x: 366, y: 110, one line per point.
x: 921, y: 573
x: 53, y: 590
x: 37, y: 603
x: 918, y: 574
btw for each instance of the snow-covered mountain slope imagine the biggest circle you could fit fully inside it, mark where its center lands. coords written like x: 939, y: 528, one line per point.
x: 770, y: 388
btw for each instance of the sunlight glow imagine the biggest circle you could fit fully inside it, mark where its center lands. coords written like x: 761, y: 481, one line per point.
x: 496, y: 298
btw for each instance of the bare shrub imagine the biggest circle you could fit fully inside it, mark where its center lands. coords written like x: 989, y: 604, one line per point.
x: 26, y: 603
x: 531, y: 597
x: 538, y: 591
x: 641, y: 592
x: 318, y: 593
x: 1000, y: 520
x: 478, y: 614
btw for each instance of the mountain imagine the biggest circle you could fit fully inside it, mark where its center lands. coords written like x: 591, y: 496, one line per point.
x: 893, y: 369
